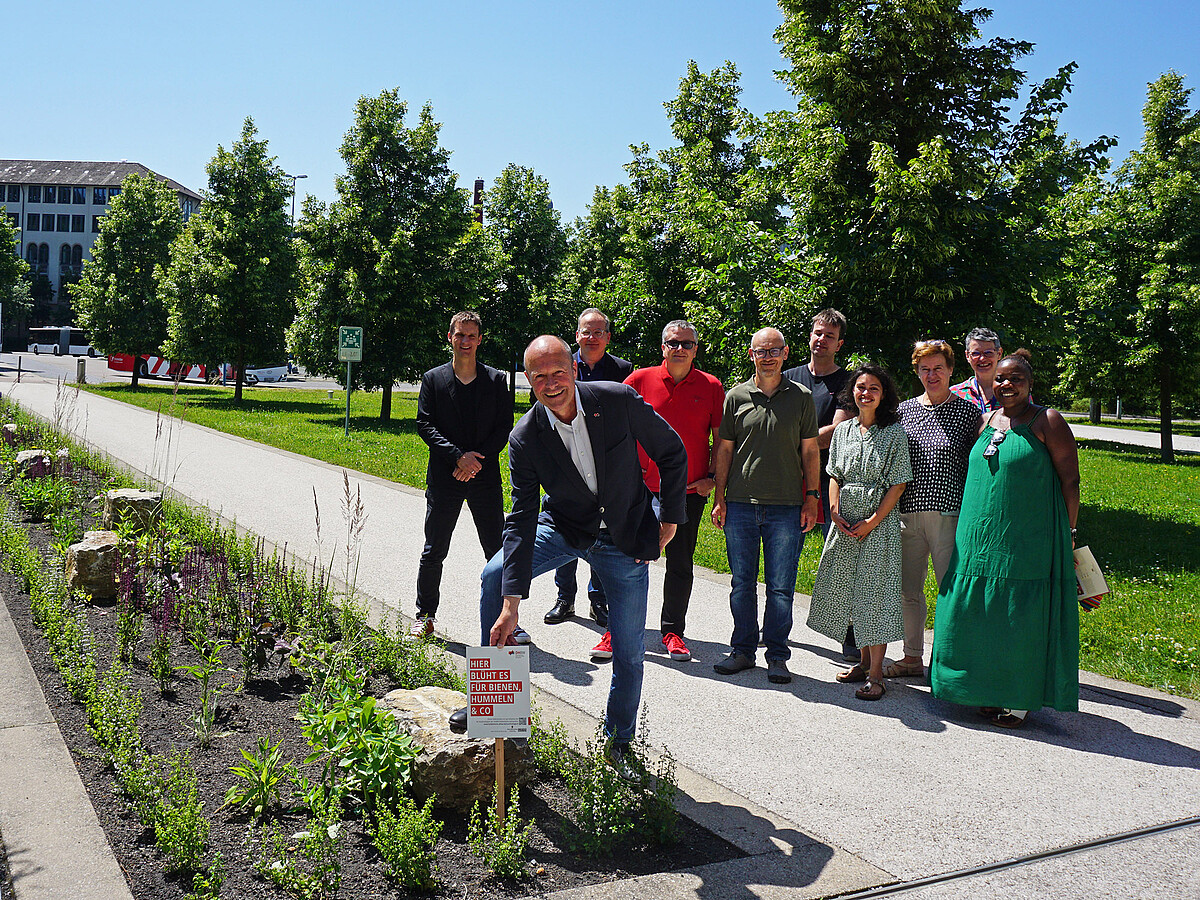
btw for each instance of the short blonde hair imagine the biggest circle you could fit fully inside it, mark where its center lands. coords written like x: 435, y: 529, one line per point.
x: 922, y: 349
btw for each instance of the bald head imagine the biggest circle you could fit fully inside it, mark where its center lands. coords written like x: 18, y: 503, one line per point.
x: 769, y: 350
x: 550, y: 368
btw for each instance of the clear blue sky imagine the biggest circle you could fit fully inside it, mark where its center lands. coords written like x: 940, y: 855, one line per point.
x: 563, y: 87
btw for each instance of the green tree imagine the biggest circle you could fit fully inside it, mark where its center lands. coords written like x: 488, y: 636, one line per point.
x: 527, y: 230
x: 119, y: 297
x: 918, y: 207
x: 395, y: 254
x: 1132, y: 283
x: 14, y: 285
x: 230, y: 284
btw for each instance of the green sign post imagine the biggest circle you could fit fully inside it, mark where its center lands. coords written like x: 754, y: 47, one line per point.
x: 350, y: 348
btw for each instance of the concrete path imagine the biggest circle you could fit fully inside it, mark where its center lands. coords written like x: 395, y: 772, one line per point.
x: 1181, y: 442
x: 830, y: 795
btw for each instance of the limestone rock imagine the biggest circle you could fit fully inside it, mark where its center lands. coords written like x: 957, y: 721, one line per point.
x: 10, y: 434
x: 455, y: 768
x: 33, y: 463
x: 92, y: 565
x: 141, y: 508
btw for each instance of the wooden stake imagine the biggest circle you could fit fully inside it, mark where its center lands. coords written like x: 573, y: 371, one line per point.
x: 500, y: 782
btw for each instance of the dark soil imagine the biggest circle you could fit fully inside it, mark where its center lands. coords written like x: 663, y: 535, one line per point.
x: 5, y: 884
x: 268, y: 707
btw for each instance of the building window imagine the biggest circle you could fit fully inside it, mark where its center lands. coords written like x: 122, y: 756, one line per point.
x: 35, y: 193
x: 79, y: 195
x: 112, y: 192
x: 99, y: 196
x: 77, y: 256
x: 33, y: 222
x: 38, y: 257
x: 64, y: 194
x: 64, y: 223
x: 47, y: 222
x: 14, y: 193
x: 95, y: 224
x: 49, y: 194
x: 31, y: 254
x: 77, y: 223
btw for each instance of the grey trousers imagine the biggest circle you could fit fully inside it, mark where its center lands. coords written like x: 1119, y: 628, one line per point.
x: 922, y: 535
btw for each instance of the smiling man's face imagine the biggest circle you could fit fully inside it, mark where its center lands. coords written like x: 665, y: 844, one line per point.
x: 550, y: 369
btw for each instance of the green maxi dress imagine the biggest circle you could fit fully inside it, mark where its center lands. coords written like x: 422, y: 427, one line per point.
x: 1006, y: 630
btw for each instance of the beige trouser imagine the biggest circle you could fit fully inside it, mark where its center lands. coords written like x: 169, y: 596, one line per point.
x: 922, y: 535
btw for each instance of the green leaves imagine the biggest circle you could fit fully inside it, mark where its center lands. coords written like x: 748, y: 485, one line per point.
x: 262, y: 777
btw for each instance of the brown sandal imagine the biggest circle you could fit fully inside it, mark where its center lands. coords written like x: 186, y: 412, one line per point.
x: 872, y: 690
x: 990, y: 712
x: 852, y: 675
x: 1008, y: 720
x: 904, y: 670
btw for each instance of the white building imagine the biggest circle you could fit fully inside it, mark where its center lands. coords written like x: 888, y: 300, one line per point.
x: 57, y: 207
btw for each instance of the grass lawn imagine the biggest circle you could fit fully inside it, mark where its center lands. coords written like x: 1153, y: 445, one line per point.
x: 1140, y: 517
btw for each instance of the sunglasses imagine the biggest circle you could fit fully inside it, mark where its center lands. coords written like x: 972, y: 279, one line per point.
x: 680, y: 345
x: 993, y: 446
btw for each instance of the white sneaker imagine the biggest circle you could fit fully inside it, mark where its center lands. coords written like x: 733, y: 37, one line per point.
x: 423, y: 627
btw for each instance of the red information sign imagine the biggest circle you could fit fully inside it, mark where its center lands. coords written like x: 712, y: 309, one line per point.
x: 498, y: 692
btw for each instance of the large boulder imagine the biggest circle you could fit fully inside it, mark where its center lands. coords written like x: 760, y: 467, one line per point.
x: 456, y: 769
x: 92, y: 565
x: 140, y: 508
x: 33, y: 463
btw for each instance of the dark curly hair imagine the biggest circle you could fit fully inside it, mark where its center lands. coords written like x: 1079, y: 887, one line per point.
x: 886, y: 414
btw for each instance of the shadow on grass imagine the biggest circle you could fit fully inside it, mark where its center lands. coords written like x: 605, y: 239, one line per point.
x: 1136, y: 542
x: 1132, y: 453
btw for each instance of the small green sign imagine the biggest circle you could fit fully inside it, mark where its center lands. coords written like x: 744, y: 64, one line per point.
x: 350, y: 344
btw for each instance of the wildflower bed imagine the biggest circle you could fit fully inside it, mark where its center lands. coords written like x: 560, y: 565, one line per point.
x: 221, y: 715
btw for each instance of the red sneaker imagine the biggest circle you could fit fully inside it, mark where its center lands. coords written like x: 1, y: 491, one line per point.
x: 603, y: 650
x: 676, y: 648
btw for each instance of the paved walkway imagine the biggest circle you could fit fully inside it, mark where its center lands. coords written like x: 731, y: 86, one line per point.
x: 830, y: 795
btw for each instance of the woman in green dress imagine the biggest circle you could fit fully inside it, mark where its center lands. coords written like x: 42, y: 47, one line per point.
x: 1006, y: 630
x: 858, y: 578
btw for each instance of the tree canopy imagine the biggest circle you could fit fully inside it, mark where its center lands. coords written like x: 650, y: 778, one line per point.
x: 395, y: 251
x: 233, y: 269
x: 119, y: 297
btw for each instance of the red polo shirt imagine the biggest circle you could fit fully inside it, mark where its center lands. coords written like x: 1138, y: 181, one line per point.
x: 692, y: 408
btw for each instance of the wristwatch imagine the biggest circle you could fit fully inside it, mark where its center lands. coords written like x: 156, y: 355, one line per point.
x: 813, y: 493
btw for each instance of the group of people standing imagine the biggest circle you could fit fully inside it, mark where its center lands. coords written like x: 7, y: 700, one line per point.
x: 615, y: 466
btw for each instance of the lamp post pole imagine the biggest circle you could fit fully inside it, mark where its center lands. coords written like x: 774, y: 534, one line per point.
x: 294, y: 178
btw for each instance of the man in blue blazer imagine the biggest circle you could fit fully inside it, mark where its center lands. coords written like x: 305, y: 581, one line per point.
x: 579, y: 444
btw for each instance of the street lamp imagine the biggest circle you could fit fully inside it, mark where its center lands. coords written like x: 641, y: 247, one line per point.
x: 294, y: 178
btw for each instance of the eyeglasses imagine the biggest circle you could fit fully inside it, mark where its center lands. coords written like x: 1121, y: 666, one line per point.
x: 982, y: 354
x: 993, y: 446
x: 680, y: 345
x: 764, y: 352
x: 593, y: 334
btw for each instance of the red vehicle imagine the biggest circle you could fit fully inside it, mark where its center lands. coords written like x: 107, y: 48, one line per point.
x: 156, y: 367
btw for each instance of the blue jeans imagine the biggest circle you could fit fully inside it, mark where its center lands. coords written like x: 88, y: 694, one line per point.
x: 626, y: 583
x: 778, y: 530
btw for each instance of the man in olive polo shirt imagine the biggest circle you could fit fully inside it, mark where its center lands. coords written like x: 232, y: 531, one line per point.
x: 767, y: 470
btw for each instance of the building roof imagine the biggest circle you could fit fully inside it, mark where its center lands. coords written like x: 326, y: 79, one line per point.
x: 46, y: 171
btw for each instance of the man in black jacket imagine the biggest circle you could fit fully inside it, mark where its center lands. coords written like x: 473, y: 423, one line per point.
x: 464, y: 414
x: 579, y: 444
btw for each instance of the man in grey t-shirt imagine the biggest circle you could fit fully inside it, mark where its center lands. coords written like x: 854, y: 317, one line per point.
x: 766, y: 468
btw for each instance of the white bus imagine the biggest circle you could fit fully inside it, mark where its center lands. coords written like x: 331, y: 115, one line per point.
x: 60, y: 340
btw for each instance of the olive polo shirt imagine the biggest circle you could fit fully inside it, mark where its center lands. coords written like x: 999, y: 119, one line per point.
x: 766, y: 434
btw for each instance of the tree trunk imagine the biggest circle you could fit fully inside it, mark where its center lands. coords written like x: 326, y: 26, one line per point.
x: 385, y: 407
x: 239, y: 375
x: 133, y: 382
x: 1094, y: 411
x: 1164, y: 410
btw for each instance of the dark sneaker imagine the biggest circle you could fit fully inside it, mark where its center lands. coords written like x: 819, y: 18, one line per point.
x: 560, y: 612
x: 777, y: 672
x: 676, y: 648
x: 599, y: 613
x: 603, y: 650
x: 521, y: 636
x: 733, y: 663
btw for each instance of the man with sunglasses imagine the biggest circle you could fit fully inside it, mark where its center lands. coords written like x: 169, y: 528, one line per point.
x: 766, y: 469
x: 593, y: 362
x: 690, y: 401
x: 983, y: 353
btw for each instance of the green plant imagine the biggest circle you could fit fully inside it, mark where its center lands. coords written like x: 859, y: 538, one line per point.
x: 501, y: 846
x: 159, y: 660
x: 42, y: 498
x: 405, y: 840
x: 363, y: 746
x: 74, y: 650
x: 600, y: 801
x: 658, y: 817
x: 318, y: 846
x: 206, y: 885
x: 180, y: 828
x: 262, y: 777
x: 130, y: 624
x: 112, y: 713
x: 204, y: 719
x: 550, y: 745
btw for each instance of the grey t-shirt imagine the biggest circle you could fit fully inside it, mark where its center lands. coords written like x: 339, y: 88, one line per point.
x: 766, y: 434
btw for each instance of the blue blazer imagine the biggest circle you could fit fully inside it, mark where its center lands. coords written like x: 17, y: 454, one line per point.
x: 618, y: 420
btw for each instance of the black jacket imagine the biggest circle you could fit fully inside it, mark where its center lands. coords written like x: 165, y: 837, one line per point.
x: 617, y: 421
x: 440, y: 423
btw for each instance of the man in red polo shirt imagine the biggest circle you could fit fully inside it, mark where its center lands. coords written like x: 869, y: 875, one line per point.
x: 691, y: 402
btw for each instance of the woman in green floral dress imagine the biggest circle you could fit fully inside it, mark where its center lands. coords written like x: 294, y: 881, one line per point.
x: 858, y: 578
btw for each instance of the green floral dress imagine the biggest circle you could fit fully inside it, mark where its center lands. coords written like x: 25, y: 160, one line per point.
x: 859, y: 581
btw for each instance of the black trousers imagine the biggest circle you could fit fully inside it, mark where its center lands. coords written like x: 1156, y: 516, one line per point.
x: 443, y: 503
x: 677, y: 583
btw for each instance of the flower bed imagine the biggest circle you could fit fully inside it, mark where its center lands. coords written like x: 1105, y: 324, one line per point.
x: 220, y: 715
